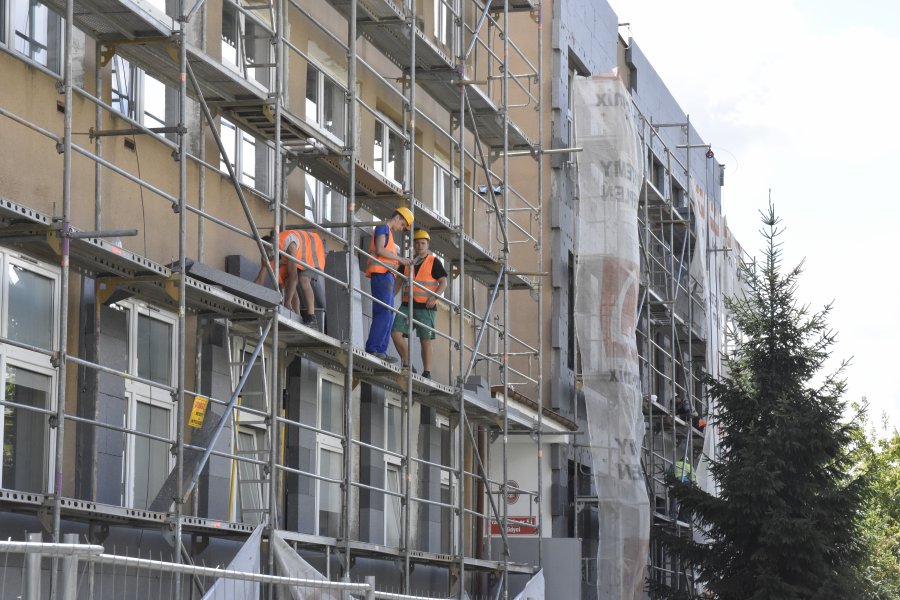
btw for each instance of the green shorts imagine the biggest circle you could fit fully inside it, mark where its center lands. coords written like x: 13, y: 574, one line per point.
x: 422, y: 315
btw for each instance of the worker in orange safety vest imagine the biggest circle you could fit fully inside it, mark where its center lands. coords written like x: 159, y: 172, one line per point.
x: 429, y: 282
x: 306, y: 247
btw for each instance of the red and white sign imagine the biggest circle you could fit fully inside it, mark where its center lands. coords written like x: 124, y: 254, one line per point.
x: 521, y: 526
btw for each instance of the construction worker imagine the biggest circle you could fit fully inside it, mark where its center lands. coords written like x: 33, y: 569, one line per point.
x: 386, y: 256
x: 305, y: 246
x: 684, y: 472
x: 428, y: 276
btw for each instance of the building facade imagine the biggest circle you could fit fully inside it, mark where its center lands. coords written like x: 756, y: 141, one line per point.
x: 159, y: 402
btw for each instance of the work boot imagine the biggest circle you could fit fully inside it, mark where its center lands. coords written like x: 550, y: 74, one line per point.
x: 385, y: 357
x: 311, y: 321
x: 426, y: 374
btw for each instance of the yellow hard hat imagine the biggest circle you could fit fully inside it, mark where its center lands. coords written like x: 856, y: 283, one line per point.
x: 421, y: 234
x: 406, y: 214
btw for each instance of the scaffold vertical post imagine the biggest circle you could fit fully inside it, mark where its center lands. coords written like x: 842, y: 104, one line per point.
x: 351, y: 151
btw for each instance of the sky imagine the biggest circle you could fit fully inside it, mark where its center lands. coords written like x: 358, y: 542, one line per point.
x: 800, y: 98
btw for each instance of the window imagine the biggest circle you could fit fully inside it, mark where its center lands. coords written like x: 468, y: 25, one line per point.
x: 138, y: 95
x: 323, y: 205
x: 248, y: 156
x: 389, y: 152
x: 443, y: 193
x: 251, y: 497
x: 27, y: 379
x: 250, y: 440
x: 448, y: 487
x: 150, y: 411
x: 330, y: 454
x: 255, y: 394
x: 393, y: 525
x: 444, y: 22
x: 37, y: 32
x: 26, y: 436
x: 326, y: 103
x: 245, y: 44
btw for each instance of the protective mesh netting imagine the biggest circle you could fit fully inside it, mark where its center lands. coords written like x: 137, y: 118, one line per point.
x: 607, y: 279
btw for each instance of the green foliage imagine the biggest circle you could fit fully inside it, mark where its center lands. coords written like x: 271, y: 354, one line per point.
x: 879, y: 461
x: 785, y: 523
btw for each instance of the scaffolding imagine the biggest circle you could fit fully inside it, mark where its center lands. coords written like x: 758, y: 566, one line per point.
x: 466, y: 86
x: 681, y: 326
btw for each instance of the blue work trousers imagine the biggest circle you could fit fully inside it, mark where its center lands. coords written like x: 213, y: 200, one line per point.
x: 382, y: 317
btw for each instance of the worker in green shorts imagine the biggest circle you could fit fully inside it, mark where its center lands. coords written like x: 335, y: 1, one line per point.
x: 429, y: 281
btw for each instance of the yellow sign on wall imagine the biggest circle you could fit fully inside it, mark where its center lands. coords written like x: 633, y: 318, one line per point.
x: 198, y: 412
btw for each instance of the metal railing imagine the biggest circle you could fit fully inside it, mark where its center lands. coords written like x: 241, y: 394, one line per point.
x: 86, y: 571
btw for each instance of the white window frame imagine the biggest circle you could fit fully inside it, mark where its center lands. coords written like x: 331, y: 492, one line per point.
x: 330, y: 442
x: 256, y: 179
x: 135, y: 94
x: 241, y: 349
x: 242, y: 63
x: 133, y: 400
x: 140, y: 392
x: 445, y: 30
x: 25, y: 359
x: 9, y: 36
x: 315, y: 206
x: 249, y: 424
x: 387, y: 128
x: 318, y: 119
x: 441, y: 174
x: 258, y: 434
x: 393, y: 463
x: 448, y: 480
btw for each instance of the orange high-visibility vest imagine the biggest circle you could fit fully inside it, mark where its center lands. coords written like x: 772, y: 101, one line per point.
x: 423, y: 280
x: 373, y: 266
x: 310, y: 250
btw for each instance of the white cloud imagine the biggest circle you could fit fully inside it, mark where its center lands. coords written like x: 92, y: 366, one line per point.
x: 799, y: 103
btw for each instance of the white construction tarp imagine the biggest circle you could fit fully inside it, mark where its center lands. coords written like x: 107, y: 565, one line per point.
x: 534, y: 589
x: 290, y: 564
x: 246, y: 561
x: 607, y: 279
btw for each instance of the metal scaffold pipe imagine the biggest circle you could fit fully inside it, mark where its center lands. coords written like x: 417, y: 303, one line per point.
x: 55, y: 486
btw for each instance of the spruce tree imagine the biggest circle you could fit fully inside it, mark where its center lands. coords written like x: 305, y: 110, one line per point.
x: 784, y: 524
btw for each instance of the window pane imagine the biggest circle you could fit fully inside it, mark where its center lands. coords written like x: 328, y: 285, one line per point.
x: 250, y: 496
x: 254, y: 393
x: 154, y: 102
x: 229, y: 35
x: 229, y: 139
x: 334, y: 206
x: 248, y: 159
x: 447, y: 193
x: 395, y: 158
x: 446, y: 519
x: 329, y: 494
x: 309, y: 197
x: 151, y: 457
x: 392, y: 507
x: 30, y: 317
x: 393, y: 428
x: 154, y: 350
x: 378, y: 160
x: 25, y: 435
x: 332, y: 410
x: 38, y: 33
x: 334, y: 103
x: 122, y: 82
x: 312, y: 94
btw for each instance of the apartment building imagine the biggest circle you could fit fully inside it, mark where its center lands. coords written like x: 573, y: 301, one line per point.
x: 159, y: 402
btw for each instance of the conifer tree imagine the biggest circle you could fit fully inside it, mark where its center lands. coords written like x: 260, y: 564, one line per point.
x: 785, y: 522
